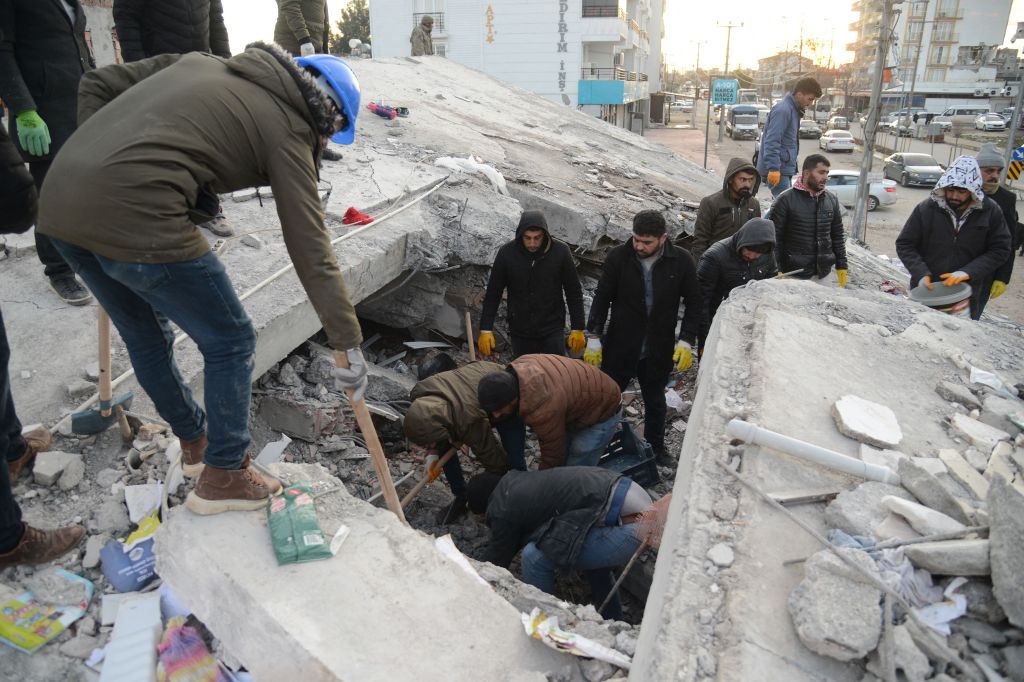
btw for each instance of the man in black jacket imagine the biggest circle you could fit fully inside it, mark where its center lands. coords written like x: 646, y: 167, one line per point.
x: 643, y: 282
x: 146, y: 28
x: 956, y: 235
x: 43, y: 55
x: 19, y: 542
x: 991, y: 163
x: 536, y: 269
x: 568, y: 517
x: 809, y: 226
x: 734, y: 261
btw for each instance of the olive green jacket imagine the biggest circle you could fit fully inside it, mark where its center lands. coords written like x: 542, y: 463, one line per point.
x: 300, y: 19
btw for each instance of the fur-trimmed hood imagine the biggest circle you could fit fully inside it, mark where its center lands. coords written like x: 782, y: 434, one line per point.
x: 273, y: 69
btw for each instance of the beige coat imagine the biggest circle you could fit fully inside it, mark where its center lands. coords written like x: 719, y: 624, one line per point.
x: 422, y: 43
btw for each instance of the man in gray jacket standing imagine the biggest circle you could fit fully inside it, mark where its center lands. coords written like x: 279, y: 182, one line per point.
x: 780, y: 144
x: 420, y: 40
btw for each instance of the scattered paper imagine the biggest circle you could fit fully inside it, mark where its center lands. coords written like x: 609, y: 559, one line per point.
x: 272, y: 452
x: 142, y: 500
x: 980, y: 376
x: 447, y: 547
x: 27, y: 624
x: 939, y: 615
x: 420, y: 345
x: 545, y: 628
x: 130, y: 564
x: 676, y: 402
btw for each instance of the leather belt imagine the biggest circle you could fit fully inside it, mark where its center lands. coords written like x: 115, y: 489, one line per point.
x: 630, y: 518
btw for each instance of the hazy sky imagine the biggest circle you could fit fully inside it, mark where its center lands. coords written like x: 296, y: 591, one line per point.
x: 768, y: 27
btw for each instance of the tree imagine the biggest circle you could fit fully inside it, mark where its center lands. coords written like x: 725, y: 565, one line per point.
x: 354, y: 23
x: 746, y: 78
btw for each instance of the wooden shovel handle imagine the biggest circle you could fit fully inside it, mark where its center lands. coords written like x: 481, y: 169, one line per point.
x: 469, y: 337
x: 103, y: 329
x: 422, y: 483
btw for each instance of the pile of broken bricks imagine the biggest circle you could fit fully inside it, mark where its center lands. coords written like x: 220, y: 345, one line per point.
x: 948, y: 540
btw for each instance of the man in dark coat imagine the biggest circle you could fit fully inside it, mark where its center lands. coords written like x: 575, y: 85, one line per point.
x: 991, y: 163
x: 43, y: 55
x: 536, y: 269
x: 956, y: 235
x: 722, y: 213
x: 569, y: 517
x: 809, y: 233
x: 19, y: 542
x: 642, y: 282
x: 734, y: 261
x: 146, y: 28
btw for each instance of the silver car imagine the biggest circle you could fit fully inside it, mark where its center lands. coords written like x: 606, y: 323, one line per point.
x: 913, y: 169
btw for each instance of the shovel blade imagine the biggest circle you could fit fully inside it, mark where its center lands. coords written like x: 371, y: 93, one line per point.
x: 90, y: 422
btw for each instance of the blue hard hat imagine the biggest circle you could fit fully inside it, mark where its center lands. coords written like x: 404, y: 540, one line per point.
x: 343, y: 81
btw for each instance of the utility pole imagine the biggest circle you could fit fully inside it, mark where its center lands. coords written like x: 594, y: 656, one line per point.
x: 859, y: 228
x: 800, y: 58
x: 1014, y: 122
x: 913, y: 85
x: 728, y: 42
x: 696, y: 96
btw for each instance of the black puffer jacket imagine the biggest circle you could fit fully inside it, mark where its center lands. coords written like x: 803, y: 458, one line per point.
x: 535, y: 283
x: 18, y: 199
x: 722, y: 268
x: 146, y: 28
x: 808, y: 233
x: 554, y: 508
x: 1007, y: 202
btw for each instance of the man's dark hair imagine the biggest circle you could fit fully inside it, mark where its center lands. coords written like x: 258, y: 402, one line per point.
x: 442, y: 362
x: 496, y: 390
x: 808, y: 86
x: 479, y: 489
x: 649, y: 224
x: 811, y: 162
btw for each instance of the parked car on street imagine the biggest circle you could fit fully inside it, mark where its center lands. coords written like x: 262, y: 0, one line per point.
x: 838, y: 123
x: 682, y: 105
x: 843, y: 183
x: 913, y: 169
x: 836, y: 140
x: 809, y: 129
x: 960, y: 116
x: 989, y: 121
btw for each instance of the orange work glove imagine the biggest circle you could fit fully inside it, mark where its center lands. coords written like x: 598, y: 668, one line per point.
x: 774, y: 178
x: 954, y: 278
x: 577, y: 340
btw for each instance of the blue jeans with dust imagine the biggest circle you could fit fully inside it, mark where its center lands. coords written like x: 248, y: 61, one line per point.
x: 142, y: 300
x: 584, y: 447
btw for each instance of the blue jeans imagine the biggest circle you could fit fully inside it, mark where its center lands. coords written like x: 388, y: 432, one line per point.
x: 585, y: 446
x: 142, y: 299
x: 604, y: 548
x: 512, y: 432
x: 784, y: 183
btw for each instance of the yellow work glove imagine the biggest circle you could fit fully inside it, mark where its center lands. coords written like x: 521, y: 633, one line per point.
x: 998, y: 289
x: 954, y: 278
x: 593, y: 354
x: 774, y: 178
x: 485, y: 342
x: 577, y: 341
x: 682, y: 356
x: 841, y: 274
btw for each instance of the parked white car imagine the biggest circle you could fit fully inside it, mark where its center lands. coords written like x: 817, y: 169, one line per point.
x: 836, y: 141
x: 990, y: 121
x: 843, y: 183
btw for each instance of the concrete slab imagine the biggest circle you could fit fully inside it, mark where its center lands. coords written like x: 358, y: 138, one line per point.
x: 378, y: 610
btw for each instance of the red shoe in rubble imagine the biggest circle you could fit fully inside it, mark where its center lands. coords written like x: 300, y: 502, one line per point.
x: 356, y: 217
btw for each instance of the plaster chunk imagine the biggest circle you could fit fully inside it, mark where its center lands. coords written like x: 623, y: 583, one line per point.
x: 867, y: 422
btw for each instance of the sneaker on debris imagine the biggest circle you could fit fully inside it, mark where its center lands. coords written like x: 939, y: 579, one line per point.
x: 219, y: 226
x: 453, y: 512
x: 222, y: 490
x: 36, y: 440
x: 192, y: 452
x: 40, y: 546
x: 330, y: 155
x: 69, y: 290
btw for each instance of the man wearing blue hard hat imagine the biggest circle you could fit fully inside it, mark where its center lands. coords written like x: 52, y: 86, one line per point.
x: 153, y: 135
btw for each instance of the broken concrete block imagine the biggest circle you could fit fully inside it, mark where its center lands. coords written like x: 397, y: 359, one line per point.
x: 894, y: 527
x: 92, y: 371
x: 302, y: 419
x: 80, y: 389
x: 721, y: 555
x: 252, y: 241
x: 952, y: 557
x: 73, y: 474
x: 997, y: 410
x: 980, y: 631
x: 911, y: 660
x: 957, y: 393
x: 1006, y: 509
x: 982, y: 436
x: 112, y: 516
x: 80, y: 646
x: 835, y: 611
x: 385, y: 385
x: 1014, y: 656
x: 1000, y: 464
x: 926, y: 488
x: 981, y: 602
x: 50, y: 465
x: 860, y: 510
x: 287, y: 376
x: 924, y: 520
x: 320, y: 371
x: 976, y: 458
x: 964, y: 473
x: 867, y: 422
x: 933, y: 465
x: 885, y: 458
x: 92, y: 550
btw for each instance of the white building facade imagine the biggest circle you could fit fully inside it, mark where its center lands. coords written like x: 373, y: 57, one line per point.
x: 601, y: 55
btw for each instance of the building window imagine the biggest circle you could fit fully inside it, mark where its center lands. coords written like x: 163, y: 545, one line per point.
x: 440, y: 49
x: 915, y: 29
x: 935, y: 75
x: 938, y: 55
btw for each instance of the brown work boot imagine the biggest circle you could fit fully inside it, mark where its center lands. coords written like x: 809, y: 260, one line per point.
x: 221, y: 490
x: 192, y: 452
x: 40, y: 546
x: 36, y: 441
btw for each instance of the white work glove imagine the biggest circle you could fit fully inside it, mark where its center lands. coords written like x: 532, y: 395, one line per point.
x: 593, y: 354
x: 306, y: 49
x: 352, y: 378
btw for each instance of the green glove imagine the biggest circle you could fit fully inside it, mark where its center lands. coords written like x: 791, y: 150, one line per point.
x: 33, y: 133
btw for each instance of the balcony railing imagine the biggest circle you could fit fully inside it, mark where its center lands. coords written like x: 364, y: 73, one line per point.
x: 610, y: 73
x: 945, y: 37
x: 948, y: 13
x: 437, y: 16
x: 607, y: 11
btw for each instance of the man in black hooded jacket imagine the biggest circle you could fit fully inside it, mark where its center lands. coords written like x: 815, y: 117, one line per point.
x: 536, y: 269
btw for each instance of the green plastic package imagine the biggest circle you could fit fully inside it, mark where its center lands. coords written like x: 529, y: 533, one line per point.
x: 294, y: 528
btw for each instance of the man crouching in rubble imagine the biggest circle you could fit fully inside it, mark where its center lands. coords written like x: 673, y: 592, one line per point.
x: 571, y: 517
x: 152, y: 136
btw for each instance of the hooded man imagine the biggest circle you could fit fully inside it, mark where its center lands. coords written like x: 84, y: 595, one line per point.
x: 956, y: 235
x: 809, y: 226
x: 734, y: 261
x: 153, y: 135
x: 780, y: 141
x: 722, y: 213
x: 303, y: 27
x: 536, y: 269
x: 422, y: 43
x: 991, y: 163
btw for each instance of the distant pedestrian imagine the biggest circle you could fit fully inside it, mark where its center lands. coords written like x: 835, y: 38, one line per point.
x: 721, y: 214
x: 991, y: 163
x: 303, y: 27
x: 780, y: 141
x: 420, y: 39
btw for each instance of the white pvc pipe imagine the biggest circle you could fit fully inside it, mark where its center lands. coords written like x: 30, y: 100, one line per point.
x: 751, y: 433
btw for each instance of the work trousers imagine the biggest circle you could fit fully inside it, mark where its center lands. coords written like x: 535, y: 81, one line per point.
x: 142, y: 300
x: 652, y: 388
x: 553, y: 344
x: 585, y: 446
x: 13, y: 446
x: 512, y: 433
x: 54, y: 265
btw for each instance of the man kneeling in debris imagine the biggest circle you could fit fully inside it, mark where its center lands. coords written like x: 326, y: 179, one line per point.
x: 566, y: 518
x: 957, y: 234
x: 445, y: 413
x: 734, y: 261
x: 153, y: 135
x: 572, y: 407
